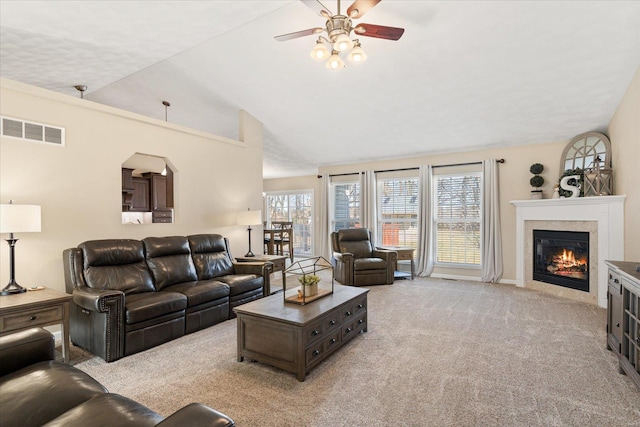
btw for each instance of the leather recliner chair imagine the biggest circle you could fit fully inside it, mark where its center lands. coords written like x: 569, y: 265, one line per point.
x: 35, y: 390
x: 357, y: 262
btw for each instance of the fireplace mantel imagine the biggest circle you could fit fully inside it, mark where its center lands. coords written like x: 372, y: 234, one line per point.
x: 606, y: 211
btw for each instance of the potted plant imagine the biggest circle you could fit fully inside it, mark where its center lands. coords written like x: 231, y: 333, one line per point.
x: 309, y: 284
x: 536, y: 180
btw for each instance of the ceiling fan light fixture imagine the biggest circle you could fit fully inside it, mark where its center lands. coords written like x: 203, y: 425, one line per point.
x: 320, y: 51
x: 342, y: 43
x: 357, y: 55
x: 335, y: 62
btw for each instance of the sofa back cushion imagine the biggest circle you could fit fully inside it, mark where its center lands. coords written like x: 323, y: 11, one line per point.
x: 116, y: 264
x: 355, y: 241
x: 169, y: 259
x: 210, y: 255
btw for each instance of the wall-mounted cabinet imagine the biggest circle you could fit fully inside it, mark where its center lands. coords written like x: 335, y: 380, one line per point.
x: 147, y: 190
x: 140, y: 200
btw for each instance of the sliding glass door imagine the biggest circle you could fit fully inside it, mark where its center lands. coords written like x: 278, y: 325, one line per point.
x: 298, y: 208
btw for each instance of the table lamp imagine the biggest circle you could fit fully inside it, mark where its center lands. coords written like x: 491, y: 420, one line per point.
x: 17, y: 219
x: 249, y: 218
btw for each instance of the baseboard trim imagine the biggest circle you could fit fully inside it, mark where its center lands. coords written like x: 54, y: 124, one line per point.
x: 469, y: 278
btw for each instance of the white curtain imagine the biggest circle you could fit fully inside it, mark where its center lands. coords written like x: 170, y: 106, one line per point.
x: 425, y: 222
x: 491, y: 234
x: 368, y: 203
x: 325, y: 245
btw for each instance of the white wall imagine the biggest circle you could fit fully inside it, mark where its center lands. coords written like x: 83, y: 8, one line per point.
x: 624, y: 132
x: 79, y: 185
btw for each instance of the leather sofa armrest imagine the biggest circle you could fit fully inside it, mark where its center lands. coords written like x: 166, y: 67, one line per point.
x: 263, y: 269
x: 100, y: 300
x: 391, y: 257
x: 24, y: 348
x: 343, y: 268
x: 196, y: 415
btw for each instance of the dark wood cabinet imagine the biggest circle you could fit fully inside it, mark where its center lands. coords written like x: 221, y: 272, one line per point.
x: 158, y: 190
x: 623, y: 317
x: 140, y: 200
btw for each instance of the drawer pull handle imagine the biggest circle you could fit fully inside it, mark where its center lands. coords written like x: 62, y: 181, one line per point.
x: 315, y: 332
x: 33, y: 317
x: 360, y: 305
x: 315, y: 353
x: 617, y: 325
x: 347, y: 330
x: 638, y: 340
x: 333, y: 341
x: 333, y: 322
x: 616, y: 281
x: 360, y: 322
x: 348, y: 313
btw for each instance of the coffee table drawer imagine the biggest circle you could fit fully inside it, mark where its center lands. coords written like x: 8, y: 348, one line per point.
x: 35, y: 317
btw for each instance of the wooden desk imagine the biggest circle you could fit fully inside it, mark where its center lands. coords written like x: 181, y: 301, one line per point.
x: 404, y: 254
x: 34, y: 309
x: 278, y: 265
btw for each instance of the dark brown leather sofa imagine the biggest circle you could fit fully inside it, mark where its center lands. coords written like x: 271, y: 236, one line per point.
x: 357, y: 263
x: 131, y: 295
x: 35, y: 390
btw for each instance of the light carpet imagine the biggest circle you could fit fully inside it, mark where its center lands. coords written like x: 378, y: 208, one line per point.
x: 437, y: 353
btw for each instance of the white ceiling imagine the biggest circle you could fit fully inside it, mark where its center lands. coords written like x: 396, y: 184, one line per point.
x: 465, y: 74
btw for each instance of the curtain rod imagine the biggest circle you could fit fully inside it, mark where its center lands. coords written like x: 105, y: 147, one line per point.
x: 411, y: 169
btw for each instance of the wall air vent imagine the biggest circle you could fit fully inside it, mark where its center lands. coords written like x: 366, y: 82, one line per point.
x: 29, y: 131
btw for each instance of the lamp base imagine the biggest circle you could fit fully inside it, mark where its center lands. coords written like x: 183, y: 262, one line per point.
x: 12, y: 288
x: 249, y: 254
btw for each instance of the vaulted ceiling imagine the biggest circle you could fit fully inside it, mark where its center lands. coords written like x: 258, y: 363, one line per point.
x: 465, y: 75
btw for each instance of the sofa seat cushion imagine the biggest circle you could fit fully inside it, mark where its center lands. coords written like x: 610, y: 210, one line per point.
x: 27, y: 391
x: 149, y: 305
x: 108, y: 409
x: 200, y: 292
x: 369, y: 264
x: 241, y: 283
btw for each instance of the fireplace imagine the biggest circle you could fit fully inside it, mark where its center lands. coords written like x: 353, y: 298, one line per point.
x: 561, y: 258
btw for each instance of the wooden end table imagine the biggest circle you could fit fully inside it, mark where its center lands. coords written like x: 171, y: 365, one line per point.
x: 278, y: 265
x: 37, y: 308
x: 404, y: 254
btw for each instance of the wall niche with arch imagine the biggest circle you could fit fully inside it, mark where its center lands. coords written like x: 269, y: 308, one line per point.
x: 147, y: 190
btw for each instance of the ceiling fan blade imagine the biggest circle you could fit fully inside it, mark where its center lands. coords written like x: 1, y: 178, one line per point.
x: 317, y: 7
x: 303, y: 33
x: 360, y: 7
x: 379, y: 31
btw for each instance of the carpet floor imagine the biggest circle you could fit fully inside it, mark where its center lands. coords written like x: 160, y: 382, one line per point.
x: 437, y: 353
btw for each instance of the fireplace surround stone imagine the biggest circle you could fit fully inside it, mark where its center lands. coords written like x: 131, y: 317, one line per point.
x: 602, y: 217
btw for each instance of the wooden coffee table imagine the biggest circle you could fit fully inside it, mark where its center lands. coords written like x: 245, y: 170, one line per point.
x: 295, y: 337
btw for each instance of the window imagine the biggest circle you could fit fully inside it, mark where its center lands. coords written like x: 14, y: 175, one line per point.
x: 345, y: 208
x: 298, y: 208
x: 398, y: 212
x: 457, y: 217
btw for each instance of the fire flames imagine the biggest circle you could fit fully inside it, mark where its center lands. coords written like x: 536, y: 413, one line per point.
x: 566, y: 264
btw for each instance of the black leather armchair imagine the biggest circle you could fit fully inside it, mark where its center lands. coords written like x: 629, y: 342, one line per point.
x: 35, y: 390
x: 357, y: 262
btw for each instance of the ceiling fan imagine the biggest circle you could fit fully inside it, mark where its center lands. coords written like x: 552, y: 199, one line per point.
x: 338, y: 29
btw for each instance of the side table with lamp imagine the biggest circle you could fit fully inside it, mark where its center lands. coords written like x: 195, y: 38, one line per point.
x: 20, y: 309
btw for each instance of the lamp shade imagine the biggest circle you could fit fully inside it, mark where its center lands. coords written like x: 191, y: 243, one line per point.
x: 249, y: 218
x: 19, y: 218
